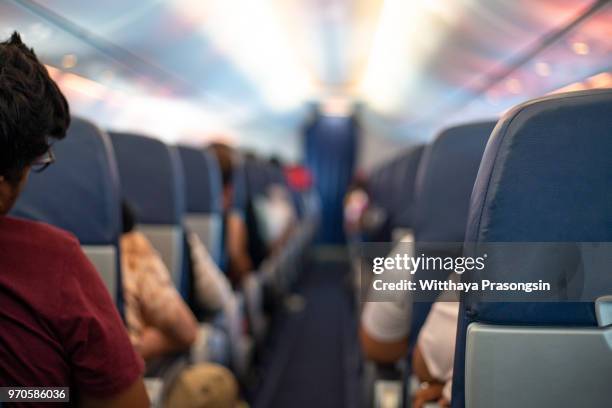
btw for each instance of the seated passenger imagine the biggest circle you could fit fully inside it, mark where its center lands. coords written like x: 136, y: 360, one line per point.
x: 434, y: 354
x: 58, y: 324
x: 161, y: 324
x: 276, y: 217
x: 281, y: 218
x: 356, y: 202
x: 239, y: 262
x: 158, y: 320
x: 214, y: 292
x: 385, y: 326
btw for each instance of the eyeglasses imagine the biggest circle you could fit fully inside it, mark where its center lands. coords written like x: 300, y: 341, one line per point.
x: 44, y: 161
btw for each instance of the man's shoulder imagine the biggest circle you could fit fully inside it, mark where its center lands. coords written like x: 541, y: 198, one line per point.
x: 36, y: 234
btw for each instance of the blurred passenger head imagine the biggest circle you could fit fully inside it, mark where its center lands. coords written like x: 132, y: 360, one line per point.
x: 225, y: 158
x: 33, y: 112
x: 276, y: 162
x: 128, y: 217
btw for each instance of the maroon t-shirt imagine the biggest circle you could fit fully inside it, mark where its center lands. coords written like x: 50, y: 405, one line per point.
x: 58, y: 325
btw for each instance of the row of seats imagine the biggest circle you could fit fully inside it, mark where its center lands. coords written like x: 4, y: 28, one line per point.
x: 384, y: 184
x: 437, y: 197
x: 279, y: 271
x: 542, y: 173
x: 173, y: 189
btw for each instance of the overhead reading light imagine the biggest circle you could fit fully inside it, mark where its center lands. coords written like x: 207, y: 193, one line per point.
x: 514, y: 86
x: 580, y: 48
x: 69, y: 61
x: 542, y: 69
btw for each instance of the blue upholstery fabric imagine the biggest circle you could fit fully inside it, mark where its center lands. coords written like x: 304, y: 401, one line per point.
x: 80, y: 192
x: 445, y: 180
x: 202, y: 181
x: 379, y: 186
x: 546, y: 176
x: 403, y: 185
x: 391, y: 189
x: 151, y: 178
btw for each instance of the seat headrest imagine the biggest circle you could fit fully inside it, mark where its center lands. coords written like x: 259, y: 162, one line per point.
x: 80, y: 191
x: 257, y: 177
x: 546, y: 174
x: 378, y: 185
x: 276, y: 175
x: 404, y: 174
x: 445, y: 180
x: 202, y: 180
x: 151, y: 178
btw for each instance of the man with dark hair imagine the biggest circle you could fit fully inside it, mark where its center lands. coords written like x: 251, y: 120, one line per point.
x: 58, y: 324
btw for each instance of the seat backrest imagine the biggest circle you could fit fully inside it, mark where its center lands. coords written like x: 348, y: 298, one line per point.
x: 379, y: 186
x: 152, y: 182
x: 258, y: 177
x: 384, y: 184
x: 445, y: 179
x: 546, y: 176
x: 80, y: 193
x: 404, y: 176
x: 203, y: 197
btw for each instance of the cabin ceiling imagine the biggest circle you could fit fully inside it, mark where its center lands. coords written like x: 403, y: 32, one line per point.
x: 252, y: 67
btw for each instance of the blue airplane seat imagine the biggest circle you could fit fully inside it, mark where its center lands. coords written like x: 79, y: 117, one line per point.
x: 276, y: 175
x: 80, y: 193
x: 545, y: 177
x: 404, y: 183
x: 257, y: 177
x: 379, y: 190
x: 203, y: 197
x: 152, y: 182
x: 444, y: 184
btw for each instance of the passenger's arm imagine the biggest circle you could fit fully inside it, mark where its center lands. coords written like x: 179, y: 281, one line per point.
x: 155, y: 343
x: 170, y: 326
x: 384, y: 331
x: 429, y: 392
x: 212, y: 287
x: 419, y: 367
x: 135, y: 396
x: 382, y: 351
